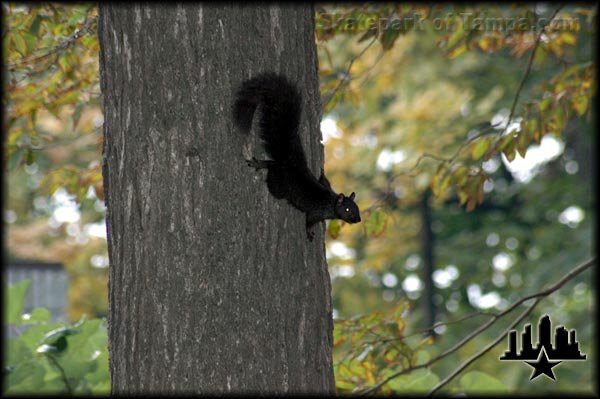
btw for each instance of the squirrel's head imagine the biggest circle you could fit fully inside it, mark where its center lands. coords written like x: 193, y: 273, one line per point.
x: 346, y: 209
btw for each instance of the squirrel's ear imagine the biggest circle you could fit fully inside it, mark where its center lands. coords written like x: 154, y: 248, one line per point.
x: 352, y: 196
x: 339, y: 199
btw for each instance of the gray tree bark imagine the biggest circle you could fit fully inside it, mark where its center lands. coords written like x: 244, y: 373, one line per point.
x: 213, y: 286
x: 428, y: 253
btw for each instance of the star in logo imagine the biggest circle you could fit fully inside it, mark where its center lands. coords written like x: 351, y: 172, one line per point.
x: 542, y: 366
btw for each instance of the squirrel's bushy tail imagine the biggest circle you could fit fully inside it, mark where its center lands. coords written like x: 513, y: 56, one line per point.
x: 281, y: 105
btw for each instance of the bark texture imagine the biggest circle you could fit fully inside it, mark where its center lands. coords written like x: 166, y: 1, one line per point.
x: 427, y: 251
x: 213, y: 286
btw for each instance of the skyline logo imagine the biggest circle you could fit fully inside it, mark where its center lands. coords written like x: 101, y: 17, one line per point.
x: 544, y: 355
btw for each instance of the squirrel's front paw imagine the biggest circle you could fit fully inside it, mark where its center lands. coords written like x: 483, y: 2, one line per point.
x: 257, y: 163
x: 253, y: 162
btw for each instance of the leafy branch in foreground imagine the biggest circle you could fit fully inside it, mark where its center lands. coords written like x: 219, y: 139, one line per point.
x: 537, y: 296
x: 52, y: 357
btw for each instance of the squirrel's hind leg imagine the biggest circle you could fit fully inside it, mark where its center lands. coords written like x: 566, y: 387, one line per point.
x: 312, y: 220
x: 277, y: 182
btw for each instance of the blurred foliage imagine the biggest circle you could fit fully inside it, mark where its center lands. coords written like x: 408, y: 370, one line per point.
x: 458, y: 30
x: 52, y: 145
x: 417, y: 98
x: 48, y: 357
x: 429, y: 97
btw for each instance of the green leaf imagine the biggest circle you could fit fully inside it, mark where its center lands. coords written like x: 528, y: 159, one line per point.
x: 84, y: 348
x: 460, y: 175
x: 25, y: 378
x: 53, y: 384
x: 389, y: 36
x: 476, y: 381
x: 38, y: 315
x: 336, y: 98
x: 77, y: 114
x: 16, y: 352
x: 20, y: 44
x: 507, y: 147
x: 30, y: 157
x: 58, y: 333
x: 532, y: 129
x: 63, y: 62
x: 31, y: 41
x: 421, y: 380
x: 59, y: 346
x: 480, y: 148
x: 368, y: 34
x: 504, y: 143
x: 15, y: 158
x: 102, y: 388
x: 34, y: 29
x: 522, y: 144
x: 422, y: 357
x: 376, y: 222
x: 33, y: 336
x: 77, y: 15
x: 559, y: 118
x: 14, y: 300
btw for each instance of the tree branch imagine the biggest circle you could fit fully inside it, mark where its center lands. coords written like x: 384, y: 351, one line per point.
x: 488, y: 130
x: 484, y: 350
x: 346, y: 76
x: 62, y: 46
x: 528, y: 69
x: 62, y: 373
x: 556, y: 286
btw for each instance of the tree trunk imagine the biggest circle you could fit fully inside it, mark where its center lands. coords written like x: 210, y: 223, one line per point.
x: 427, y: 251
x: 213, y: 285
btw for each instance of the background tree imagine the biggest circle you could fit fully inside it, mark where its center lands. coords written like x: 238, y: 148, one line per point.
x: 424, y: 106
x: 206, y: 267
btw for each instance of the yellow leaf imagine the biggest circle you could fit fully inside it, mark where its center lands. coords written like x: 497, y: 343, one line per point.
x: 401, y: 326
x: 334, y: 228
x: 510, y: 155
x: 455, y: 37
x: 568, y: 38
x: 462, y: 196
x: 545, y: 103
x: 485, y: 43
x: 580, y: 104
x: 457, y: 51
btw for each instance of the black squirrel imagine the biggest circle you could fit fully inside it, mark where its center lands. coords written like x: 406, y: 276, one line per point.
x: 288, y: 174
